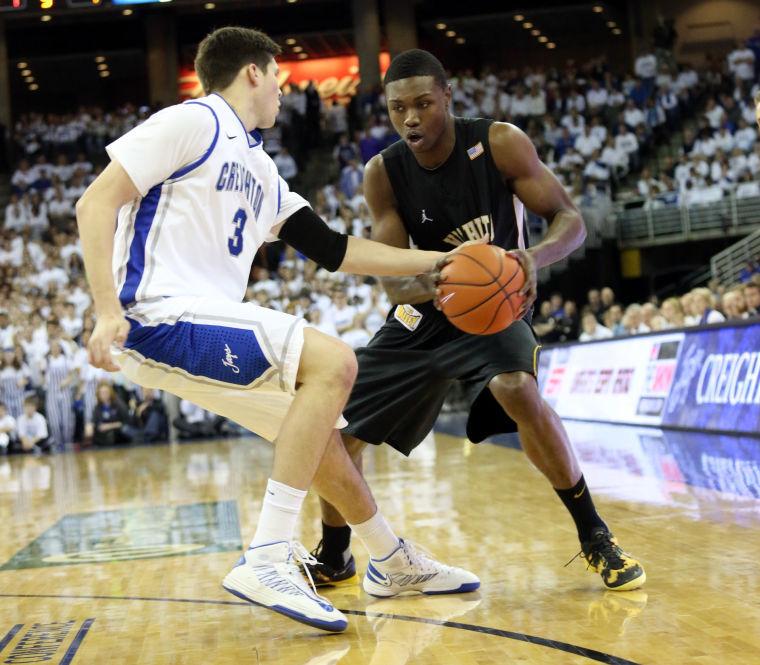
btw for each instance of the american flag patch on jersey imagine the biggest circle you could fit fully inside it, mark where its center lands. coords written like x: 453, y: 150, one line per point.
x: 476, y: 150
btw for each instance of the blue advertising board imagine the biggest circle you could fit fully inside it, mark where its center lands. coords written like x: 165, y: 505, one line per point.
x: 717, y: 381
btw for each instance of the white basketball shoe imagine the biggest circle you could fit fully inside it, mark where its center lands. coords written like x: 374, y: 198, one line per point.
x: 407, y: 569
x: 269, y: 575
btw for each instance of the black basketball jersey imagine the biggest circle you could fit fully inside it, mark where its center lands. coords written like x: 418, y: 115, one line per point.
x: 465, y: 198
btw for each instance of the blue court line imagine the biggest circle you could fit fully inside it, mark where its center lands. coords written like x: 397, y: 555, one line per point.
x: 591, y: 654
x: 10, y: 635
x: 74, y: 646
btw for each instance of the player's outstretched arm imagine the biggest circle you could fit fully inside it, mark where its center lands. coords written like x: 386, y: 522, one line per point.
x: 538, y: 188
x: 388, y: 229
x: 96, y: 216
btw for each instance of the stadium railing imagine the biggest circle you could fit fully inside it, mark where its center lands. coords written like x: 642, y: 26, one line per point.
x: 649, y: 225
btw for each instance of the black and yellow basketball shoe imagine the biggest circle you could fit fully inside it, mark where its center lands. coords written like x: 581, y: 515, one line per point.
x: 619, y: 570
x: 327, y: 574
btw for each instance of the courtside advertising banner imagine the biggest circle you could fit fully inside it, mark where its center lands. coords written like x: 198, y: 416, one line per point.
x: 704, y: 379
x: 717, y: 384
x: 625, y: 380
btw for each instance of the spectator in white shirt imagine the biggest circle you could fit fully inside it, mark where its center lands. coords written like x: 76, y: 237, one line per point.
x: 322, y: 322
x: 615, y: 98
x: 598, y: 130
x: 633, y: 116
x: 52, y: 275
x: 357, y: 335
x: 596, y: 169
x: 575, y: 101
x: 574, y: 122
x: 38, y: 215
x: 537, y: 100
x: 32, y: 428
x: 615, y: 158
x: 70, y: 322
x: 741, y: 62
x: 648, y: 186
x: 286, y: 165
x: 16, y: 214
x: 596, y: 97
x: 586, y: 144
x: 627, y: 142
x: 520, y: 107
x: 60, y: 209
x: 747, y: 187
x: 714, y: 113
x: 745, y: 136
x: 23, y: 177
x: 592, y: 329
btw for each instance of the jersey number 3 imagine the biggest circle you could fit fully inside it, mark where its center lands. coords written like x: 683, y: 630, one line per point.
x: 235, y: 243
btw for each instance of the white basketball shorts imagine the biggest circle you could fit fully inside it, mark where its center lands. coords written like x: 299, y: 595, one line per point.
x: 238, y: 360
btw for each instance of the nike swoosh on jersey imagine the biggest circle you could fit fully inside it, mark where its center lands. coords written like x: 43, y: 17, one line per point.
x: 231, y: 137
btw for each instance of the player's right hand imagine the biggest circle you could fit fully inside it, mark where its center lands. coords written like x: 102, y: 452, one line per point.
x: 435, y: 275
x: 109, y: 329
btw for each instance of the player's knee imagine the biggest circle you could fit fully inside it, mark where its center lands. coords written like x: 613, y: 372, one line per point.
x: 346, y: 367
x: 517, y: 393
x: 327, y: 360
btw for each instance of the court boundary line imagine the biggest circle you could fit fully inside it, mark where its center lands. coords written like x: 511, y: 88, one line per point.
x: 591, y: 654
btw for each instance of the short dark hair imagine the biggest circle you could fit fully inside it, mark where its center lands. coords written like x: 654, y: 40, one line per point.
x: 415, y: 62
x: 225, y: 51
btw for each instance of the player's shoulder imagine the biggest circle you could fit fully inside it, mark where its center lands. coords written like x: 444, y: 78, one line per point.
x: 508, y: 140
x: 189, y: 115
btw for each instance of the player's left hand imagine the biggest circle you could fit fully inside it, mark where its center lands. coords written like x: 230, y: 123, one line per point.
x: 530, y: 288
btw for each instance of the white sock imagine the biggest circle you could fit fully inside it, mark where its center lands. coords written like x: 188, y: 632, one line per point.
x: 279, y: 514
x: 377, y: 536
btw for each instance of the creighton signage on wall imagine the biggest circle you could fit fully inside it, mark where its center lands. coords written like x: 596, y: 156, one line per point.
x: 706, y: 379
x: 717, y: 385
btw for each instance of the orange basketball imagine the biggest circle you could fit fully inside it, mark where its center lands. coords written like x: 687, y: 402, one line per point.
x: 479, y: 289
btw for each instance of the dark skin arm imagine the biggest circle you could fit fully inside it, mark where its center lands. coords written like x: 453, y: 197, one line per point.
x: 538, y: 188
x: 388, y: 228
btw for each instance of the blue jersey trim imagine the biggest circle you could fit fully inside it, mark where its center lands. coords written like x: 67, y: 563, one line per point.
x: 252, y: 135
x: 279, y: 196
x: 194, y: 165
x: 136, y: 262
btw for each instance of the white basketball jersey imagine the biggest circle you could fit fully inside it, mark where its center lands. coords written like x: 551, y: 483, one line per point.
x: 210, y: 196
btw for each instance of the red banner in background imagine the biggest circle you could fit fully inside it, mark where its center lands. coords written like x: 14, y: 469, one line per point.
x: 334, y: 77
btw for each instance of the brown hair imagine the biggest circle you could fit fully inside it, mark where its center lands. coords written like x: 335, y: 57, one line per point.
x: 225, y: 51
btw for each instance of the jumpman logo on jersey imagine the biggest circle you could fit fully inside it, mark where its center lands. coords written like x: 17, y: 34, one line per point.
x: 425, y: 218
x: 229, y: 360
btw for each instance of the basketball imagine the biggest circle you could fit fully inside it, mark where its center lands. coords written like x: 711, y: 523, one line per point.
x: 479, y: 290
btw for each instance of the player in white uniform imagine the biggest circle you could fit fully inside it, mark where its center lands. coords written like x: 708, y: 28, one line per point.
x: 196, y: 196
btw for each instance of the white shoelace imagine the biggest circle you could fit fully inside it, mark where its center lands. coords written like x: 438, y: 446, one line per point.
x: 422, y: 559
x: 303, y: 557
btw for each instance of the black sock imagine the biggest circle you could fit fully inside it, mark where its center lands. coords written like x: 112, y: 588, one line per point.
x: 579, y: 503
x: 336, y: 545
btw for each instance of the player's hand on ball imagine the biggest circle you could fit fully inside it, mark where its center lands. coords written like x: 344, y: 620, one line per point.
x: 530, y: 288
x: 442, y: 263
x: 109, y: 329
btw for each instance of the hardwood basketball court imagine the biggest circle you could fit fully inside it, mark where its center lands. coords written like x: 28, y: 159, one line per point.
x: 116, y: 556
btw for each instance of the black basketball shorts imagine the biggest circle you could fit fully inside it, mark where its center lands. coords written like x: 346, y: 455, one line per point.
x: 404, y: 377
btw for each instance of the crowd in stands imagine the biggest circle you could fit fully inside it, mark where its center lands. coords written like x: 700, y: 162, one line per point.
x: 603, y: 317
x: 593, y: 128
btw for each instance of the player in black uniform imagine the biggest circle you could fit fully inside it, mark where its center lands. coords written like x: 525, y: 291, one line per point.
x: 447, y: 181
